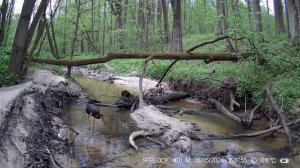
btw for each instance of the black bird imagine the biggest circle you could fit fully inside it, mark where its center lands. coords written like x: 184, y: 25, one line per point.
x: 94, y: 111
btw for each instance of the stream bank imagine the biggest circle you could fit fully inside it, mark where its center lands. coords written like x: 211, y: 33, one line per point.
x: 33, y: 135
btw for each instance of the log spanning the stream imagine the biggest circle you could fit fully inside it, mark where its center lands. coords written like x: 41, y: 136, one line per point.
x: 207, y: 57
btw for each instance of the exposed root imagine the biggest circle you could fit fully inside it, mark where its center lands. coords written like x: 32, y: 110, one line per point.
x: 133, y: 136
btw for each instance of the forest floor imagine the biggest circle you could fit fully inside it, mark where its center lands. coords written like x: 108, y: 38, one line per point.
x: 32, y: 132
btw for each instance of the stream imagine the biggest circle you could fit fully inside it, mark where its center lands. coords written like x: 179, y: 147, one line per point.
x: 108, y: 147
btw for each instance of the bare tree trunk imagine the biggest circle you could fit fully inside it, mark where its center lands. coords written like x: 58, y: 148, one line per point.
x: 104, y: 29
x: 166, y: 22
x: 41, y: 9
x: 256, y: 11
x: 278, y: 9
x: 10, y: 14
x: 78, y: 4
x: 159, y: 23
x: 249, y: 13
x: 268, y: 18
x: 4, y: 9
x: 222, y: 26
x: 176, y: 40
x: 17, y: 57
x: 294, y: 12
x: 287, y: 20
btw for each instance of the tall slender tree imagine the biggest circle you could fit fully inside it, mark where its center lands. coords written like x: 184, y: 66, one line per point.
x: 278, y: 10
x: 256, y: 12
x: 4, y: 9
x: 176, y: 38
x: 17, y: 57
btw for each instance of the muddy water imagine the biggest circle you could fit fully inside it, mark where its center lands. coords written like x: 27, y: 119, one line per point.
x: 108, y: 147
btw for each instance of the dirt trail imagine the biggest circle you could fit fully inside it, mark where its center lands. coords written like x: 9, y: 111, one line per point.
x: 29, y: 124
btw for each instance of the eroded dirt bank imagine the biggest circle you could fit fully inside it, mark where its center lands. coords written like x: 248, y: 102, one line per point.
x: 32, y: 135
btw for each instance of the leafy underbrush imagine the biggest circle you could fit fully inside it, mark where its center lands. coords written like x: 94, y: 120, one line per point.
x: 5, y: 77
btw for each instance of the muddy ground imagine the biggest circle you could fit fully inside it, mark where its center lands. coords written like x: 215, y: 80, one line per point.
x: 32, y: 135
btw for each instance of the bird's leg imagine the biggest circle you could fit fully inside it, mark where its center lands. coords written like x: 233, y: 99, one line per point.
x: 89, y: 122
x: 93, y: 126
x: 103, y: 121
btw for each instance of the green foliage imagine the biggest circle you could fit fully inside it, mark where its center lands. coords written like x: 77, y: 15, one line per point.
x: 5, y: 77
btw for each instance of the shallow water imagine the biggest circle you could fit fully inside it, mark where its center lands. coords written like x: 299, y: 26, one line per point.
x: 108, y: 147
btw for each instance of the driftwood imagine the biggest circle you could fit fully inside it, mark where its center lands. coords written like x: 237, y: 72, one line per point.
x: 251, y: 115
x: 254, y: 134
x: 208, y: 57
x: 274, y: 104
x: 133, y: 136
x: 143, y: 134
x: 223, y: 109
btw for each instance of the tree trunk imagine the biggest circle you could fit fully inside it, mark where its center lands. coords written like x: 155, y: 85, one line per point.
x: 166, y: 22
x: 9, y: 17
x: 4, y: 9
x: 268, y: 17
x: 76, y: 28
x: 278, y: 10
x: 16, y: 61
x: 176, y: 40
x: 104, y: 29
x: 256, y: 11
x: 41, y: 9
x: 222, y: 26
x: 294, y: 12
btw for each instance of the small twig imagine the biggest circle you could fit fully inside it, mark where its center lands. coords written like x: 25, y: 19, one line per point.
x: 51, y: 157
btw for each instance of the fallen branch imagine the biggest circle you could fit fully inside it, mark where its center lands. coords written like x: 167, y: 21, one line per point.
x: 280, y: 113
x: 254, y: 134
x: 251, y: 115
x: 208, y: 57
x: 223, y: 109
x: 213, y: 41
x: 190, y: 50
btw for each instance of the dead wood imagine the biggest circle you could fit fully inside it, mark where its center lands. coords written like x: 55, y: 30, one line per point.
x: 143, y: 134
x: 190, y: 50
x: 143, y: 71
x: 224, y: 110
x: 279, y: 111
x: 212, y: 41
x: 133, y: 136
x: 208, y: 57
x: 251, y: 115
x: 254, y: 134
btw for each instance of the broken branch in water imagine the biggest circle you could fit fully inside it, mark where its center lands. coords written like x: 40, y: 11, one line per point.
x: 224, y: 110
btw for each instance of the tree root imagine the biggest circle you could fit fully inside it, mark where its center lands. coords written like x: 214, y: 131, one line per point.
x: 133, y: 136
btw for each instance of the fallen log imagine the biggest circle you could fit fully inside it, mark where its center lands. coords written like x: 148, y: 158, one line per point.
x: 254, y: 134
x: 224, y: 110
x: 161, y: 99
x: 274, y: 104
x: 207, y: 57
